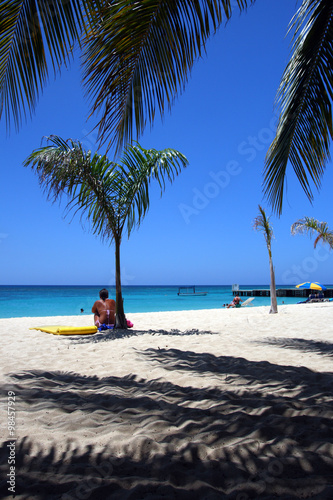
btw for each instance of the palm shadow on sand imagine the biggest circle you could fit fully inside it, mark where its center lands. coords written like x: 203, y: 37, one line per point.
x: 305, y: 345
x: 258, y: 431
x: 110, y: 335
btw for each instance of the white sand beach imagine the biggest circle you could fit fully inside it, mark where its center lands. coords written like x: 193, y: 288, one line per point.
x: 211, y: 404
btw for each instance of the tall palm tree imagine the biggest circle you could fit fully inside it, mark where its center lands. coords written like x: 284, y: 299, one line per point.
x: 110, y: 195
x: 137, y: 57
x: 262, y: 223
x: 311, y: 226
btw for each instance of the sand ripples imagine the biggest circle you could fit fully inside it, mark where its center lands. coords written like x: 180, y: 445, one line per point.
x: 255, y: 434
x: 173, y: 413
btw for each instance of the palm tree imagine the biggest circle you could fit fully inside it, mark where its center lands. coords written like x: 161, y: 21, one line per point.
x: 36, y: 37
x: 137, y: 57
x: 110, y: 195
x: 141, y: 57
x: 305, y: 127
x: 262, y: 223
x: 309, y: 225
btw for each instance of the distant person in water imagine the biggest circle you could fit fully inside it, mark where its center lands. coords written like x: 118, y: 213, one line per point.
x: 104, y: 309
x: 235, y: 303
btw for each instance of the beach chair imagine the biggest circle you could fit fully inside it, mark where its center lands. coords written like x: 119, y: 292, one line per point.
x: 247, y: 302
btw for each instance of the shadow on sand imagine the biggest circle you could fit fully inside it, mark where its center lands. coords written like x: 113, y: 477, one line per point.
x: 109, y: 335
x: 259, y: 431
x: 305, y: 345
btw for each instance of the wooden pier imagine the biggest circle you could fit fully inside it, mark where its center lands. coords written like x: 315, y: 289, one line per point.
x: 282, y: 292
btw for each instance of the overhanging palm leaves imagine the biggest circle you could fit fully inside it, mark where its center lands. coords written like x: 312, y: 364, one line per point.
x: 109, y: 195
x: 140, y: 58
x: 34, y: 35
x: 305, y: 126
x: 137, y: 57
x: 311, y: 226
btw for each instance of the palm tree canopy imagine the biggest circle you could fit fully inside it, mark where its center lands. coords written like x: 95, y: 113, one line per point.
x: 305, y: 128
x: 108, y: 194
x: 137, y: 55
x: 309, y: 225
x: 35, y: 36
x: 262, y: 223
x: 140, y: 58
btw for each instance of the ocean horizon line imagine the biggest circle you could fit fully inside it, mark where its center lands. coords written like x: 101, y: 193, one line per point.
x: 155, y: 286
x: 68, y: 300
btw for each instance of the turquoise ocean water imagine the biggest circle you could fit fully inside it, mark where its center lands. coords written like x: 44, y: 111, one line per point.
x: 30, y: 301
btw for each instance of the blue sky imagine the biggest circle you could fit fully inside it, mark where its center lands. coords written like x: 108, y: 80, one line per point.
x: 200, y: 231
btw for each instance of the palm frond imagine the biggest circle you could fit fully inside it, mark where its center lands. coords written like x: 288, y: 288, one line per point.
x: 139, y: 57
x: 305, y: 128
x: 96, y: 196
x: 35, y: 34
x: 105, y: 193
x: 305, y: 225
x: 311, y: 226
x: 64, y: 167
x: 262, y: 223
x: 139, y: 167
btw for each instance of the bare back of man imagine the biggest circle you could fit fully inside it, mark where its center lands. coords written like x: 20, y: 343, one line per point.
x: 104, y: 312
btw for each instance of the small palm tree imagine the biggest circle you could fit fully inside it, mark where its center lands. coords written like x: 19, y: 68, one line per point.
x: 109, y: 194
x: 261, y: 223
x: 309, y: 225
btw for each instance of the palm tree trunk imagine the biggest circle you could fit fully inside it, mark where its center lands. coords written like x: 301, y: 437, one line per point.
x: 120, y: 315
x: 273, y: 309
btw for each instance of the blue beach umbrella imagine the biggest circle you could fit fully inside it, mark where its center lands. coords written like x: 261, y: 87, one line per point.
x: 312, y: 286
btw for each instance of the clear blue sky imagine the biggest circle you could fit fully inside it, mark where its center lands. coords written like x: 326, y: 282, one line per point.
x: 200, y: 231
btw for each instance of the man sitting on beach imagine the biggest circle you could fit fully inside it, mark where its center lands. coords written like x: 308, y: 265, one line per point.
x: 235, y: 303
x: 104, y: 310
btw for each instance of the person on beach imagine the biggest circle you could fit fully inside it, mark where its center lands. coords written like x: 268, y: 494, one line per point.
x: 236, y: 302
x: 104, y: 309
